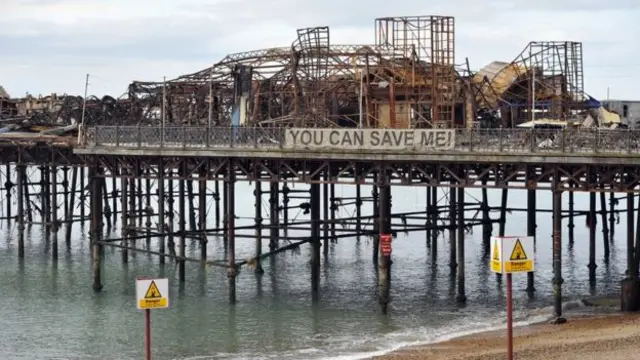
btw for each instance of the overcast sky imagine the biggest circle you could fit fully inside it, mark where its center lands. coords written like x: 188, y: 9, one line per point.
x: 49, y: 45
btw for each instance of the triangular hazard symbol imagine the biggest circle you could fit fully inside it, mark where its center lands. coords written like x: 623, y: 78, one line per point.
x: 152, y: 292
x: 496, y: 254
x: 518, y: 252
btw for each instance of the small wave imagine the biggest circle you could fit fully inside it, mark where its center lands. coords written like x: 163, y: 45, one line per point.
x: 343, y: 347
x: 532, y: 317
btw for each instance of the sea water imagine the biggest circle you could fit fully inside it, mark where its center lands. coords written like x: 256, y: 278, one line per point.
x: 49, y: 311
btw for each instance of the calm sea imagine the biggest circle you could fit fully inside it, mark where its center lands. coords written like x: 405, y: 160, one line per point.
x: 48, y: 310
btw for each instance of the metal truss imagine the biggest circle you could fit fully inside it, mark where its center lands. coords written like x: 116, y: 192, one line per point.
x: 559, y: 177
x: 547, y: 75
x: 39, y: 155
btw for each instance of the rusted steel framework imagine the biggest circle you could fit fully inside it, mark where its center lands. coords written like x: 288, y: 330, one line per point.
x: 552, y: 70
x: 406, y: 79
x: 429, y: 82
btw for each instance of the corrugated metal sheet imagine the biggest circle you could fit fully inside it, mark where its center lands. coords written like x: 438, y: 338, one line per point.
x: 501, y: 76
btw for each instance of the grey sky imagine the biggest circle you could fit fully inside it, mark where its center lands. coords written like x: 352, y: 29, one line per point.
x: 49, y: 45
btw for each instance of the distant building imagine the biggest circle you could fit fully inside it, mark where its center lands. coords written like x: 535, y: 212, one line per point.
x: 629, y: 111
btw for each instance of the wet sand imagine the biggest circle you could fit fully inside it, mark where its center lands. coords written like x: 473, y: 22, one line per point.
x: 610, y: 337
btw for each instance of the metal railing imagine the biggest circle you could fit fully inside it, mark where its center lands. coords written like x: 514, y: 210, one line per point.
x: 510, y: 141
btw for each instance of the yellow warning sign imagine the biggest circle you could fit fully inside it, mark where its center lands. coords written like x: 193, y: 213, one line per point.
x: 518, y: 261
x: 518, y: 252
x: 152, y: 293
x: 496, y: 262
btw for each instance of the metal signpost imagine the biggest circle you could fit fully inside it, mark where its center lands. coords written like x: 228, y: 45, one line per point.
x: 151, y: 294
x: 511, y: 254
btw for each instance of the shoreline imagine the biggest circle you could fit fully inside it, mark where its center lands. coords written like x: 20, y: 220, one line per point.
x: 606, y: 334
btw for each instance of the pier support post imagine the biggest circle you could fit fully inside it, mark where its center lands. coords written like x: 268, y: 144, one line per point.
x: 358, y: 212
x: 274, y: 228
x: 65, y: 193
x: 105, y: 201
x: 148, y: 210
x: 503, y: 211
x: 557, y: 250
x: 114, y: 197
x: 462, y: 297
x: 182, y: 209
x: 384, y: 265
x: 591, y: 224
x: 571, y: 215
x: 487, y: 226
x: 434, y: 221
x: 325, y: 215
x: 124, y: 213
x: 54, y: 209
x: 225, y: 213
x: 605, y: 224
x: 376, y: 221
x: 427, y: 209
x: 27, y: 197
x: 71, y: 211
x: 161, y: 212
x: 531, y: 231
x: 132, y: 209
x: 216, y: 199
x: 202, y: 214
x: 453, y: 264
x: 285, y: 209
x: 8, y: 185
x: 612, y: 214
x: 333, y: 206
x: 170, y: 213
x: 83, y: 197
x: 21, y: 176
x: 258, y: 204
x: 192, y: 209
x: 630, y: 296
x: 96, y: 225
x: 45, y: 197
x: 231, y: 220
x: 315, y: 242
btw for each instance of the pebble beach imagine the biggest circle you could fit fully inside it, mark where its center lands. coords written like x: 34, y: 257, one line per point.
x: 610, y: 337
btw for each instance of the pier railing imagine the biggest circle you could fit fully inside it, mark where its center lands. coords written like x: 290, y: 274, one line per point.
x: 576, y: 141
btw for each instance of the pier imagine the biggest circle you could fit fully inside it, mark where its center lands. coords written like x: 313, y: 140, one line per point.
x: 156, y: 182
x: 161, y: 165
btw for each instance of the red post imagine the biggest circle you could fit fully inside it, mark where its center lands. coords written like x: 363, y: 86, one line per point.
x: 509, y: 319
x: 147, y: 334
